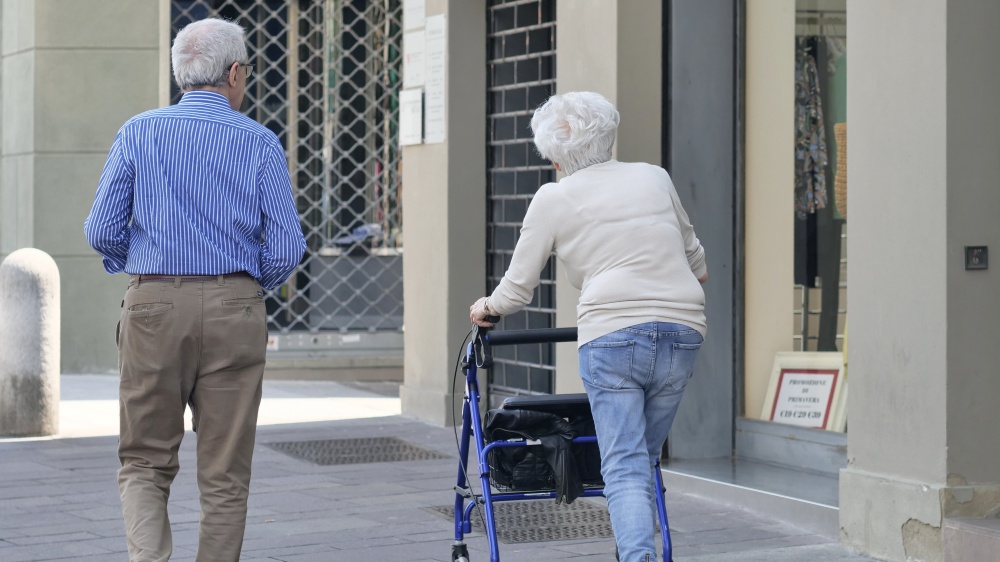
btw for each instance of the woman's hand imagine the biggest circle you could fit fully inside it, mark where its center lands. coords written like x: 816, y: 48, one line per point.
x: 479, y: 311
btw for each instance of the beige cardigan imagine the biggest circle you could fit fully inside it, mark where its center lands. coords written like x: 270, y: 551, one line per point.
x: 623, y: 239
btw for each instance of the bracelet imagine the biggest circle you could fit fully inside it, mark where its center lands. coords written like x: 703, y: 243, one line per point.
x: 486, y: 308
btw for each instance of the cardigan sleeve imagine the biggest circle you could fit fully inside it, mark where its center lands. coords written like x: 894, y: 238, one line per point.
x: 531, y: 253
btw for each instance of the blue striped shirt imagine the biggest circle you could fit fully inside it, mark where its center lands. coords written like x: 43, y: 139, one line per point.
x: 196, y: 189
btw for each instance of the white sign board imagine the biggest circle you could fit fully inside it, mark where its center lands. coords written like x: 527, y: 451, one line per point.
x: 434, y: 107
x: 413, y: 59
x: 414, y: 12
x: 411, y: 117
x: 805, y: 397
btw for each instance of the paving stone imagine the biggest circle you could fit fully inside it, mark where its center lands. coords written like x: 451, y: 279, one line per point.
x: 106, y: 513
x: 811, y: 553
x: 50, y: 539
x: 59, y: 551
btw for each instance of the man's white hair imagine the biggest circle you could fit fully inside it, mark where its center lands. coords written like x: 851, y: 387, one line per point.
x: 204, y: 51
x: 575, y: 129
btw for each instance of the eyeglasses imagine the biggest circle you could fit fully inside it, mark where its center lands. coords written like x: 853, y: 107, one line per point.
x: 249, y: 69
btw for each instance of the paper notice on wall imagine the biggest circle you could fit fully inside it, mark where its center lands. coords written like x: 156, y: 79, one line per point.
x: 411, y: 117
x: 435, y: 44
x: 413, y: 59
x: 413, y: 14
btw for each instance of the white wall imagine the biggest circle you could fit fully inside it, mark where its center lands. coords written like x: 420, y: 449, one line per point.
x: 769, y: 179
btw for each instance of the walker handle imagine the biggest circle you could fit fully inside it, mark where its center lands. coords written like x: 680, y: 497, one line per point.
x: 513, y: 337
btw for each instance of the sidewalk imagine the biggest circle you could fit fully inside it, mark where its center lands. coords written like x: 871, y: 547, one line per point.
x: 59, y: 498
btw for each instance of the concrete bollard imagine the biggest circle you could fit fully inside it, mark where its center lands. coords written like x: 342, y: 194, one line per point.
x: 29, y: 344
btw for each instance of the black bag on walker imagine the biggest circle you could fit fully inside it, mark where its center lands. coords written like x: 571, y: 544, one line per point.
x: 554, y: 464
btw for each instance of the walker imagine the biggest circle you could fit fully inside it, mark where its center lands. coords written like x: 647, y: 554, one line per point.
x: 477, y: 356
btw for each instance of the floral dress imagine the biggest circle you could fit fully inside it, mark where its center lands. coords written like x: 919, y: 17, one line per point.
x: 810, y: 134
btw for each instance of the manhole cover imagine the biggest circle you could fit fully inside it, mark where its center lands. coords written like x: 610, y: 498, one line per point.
x: 356, y: 451
x: 538, y: 521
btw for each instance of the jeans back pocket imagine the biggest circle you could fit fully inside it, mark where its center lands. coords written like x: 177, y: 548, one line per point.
x: 682, y: 356
x: 610, y: 363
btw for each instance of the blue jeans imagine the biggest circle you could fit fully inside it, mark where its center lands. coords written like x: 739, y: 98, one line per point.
x: 635, y: 378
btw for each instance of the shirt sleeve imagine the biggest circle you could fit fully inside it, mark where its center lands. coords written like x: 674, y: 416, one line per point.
x: 283, y: 244
x: 692, y: 246
x: 531, y: 253
x: 107, y: 227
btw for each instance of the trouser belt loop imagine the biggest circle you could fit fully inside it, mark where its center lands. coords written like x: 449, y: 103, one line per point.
x: 177, y: 282
x: 138, y: 280
x: 221, y: 280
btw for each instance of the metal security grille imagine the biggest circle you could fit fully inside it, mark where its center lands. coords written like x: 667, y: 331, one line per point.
x: 521, y: 69
x: 326, y: 82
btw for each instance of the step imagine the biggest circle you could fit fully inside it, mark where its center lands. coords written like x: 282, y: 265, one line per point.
x: 971, y: 539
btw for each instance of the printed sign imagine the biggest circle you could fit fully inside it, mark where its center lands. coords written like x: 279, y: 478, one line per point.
x: 805, y: 397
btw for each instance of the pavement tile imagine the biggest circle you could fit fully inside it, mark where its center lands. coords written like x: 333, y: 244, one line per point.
x: 811, y: 553
x: 13, y: 472
x: 106, y: 513
x: 54, y: 520
x: 708, y: 522
x: 100, y: 528
x: 59, y: 551
x: 50, y: 539
x: 761, y: 544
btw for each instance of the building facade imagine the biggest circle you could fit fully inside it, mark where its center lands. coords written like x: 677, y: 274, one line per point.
x: 744, y: 102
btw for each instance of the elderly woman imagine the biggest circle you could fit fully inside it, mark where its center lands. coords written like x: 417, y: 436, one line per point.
x: 623, y: 238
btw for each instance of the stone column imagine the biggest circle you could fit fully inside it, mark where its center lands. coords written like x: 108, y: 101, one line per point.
x: 444, y: 213
x: 73, y: 72
x: 29, y: 344
x: 924, y: 345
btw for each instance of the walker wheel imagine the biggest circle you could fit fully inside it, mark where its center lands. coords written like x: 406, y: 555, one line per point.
x: 459, y: 553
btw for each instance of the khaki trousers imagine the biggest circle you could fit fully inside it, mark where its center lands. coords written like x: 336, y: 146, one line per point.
x: 197, y: 342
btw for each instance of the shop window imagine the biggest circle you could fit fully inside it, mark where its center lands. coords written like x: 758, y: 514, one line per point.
x: 820, y: 225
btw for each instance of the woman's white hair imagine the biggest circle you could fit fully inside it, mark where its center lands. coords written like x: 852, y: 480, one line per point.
x: 204, y: 51
x: 575, y: 129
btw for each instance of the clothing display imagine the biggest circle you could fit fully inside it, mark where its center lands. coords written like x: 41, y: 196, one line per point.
x: 810, y: 133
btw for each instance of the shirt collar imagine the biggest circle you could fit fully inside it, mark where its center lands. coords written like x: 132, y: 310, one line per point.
x: 206, y: 97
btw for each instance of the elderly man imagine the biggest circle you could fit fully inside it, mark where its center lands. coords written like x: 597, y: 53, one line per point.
x: 195, y: 204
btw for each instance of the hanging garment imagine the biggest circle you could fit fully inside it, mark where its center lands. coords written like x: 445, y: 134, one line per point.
x: 836, y: 47
x: 810, y: 133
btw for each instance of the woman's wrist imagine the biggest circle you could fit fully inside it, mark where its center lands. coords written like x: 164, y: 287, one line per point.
x: 487, y: 309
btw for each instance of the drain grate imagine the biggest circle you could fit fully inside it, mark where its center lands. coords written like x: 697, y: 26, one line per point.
x: 539, y: 521
x: 356, y: 451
